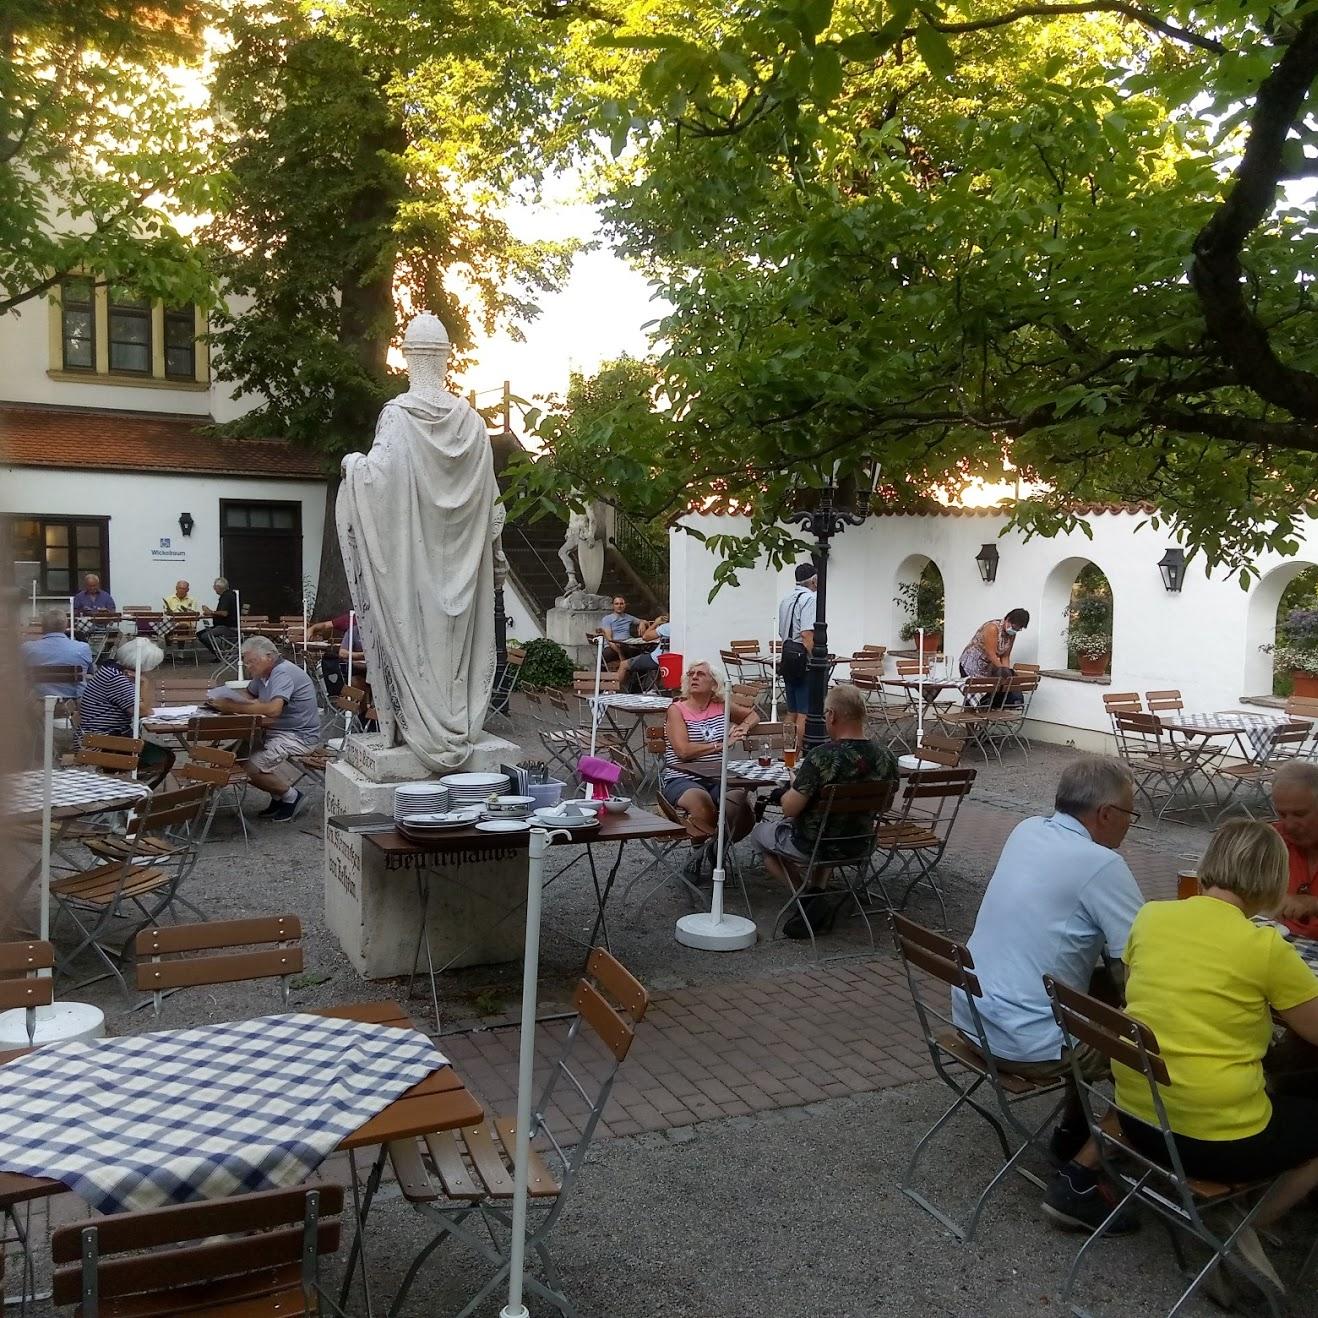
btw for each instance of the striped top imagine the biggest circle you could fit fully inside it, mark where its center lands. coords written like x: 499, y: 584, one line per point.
x: 106, y: 703
x: 709, y: 724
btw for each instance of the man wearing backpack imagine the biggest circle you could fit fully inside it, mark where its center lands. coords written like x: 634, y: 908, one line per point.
x: 796, y: 630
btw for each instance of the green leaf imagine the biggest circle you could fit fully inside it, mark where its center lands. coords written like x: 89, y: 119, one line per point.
x: 935, y: 51
x: 826, y: 75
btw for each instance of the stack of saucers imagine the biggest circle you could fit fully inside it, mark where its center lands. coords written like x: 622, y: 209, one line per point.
x: 466, y: 789
x: 424, y: 798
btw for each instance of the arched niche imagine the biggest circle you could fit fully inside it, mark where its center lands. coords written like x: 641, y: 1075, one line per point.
x: 1053, y: 624
x: 1261, y: 623
x: 918, y: 570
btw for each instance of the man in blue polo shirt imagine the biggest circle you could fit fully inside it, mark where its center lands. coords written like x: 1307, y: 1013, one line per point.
x: 91, y: 598
x: 1060, y: 898
x: 55, y: 648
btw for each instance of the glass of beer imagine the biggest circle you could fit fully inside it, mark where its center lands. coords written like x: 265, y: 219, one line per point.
x: 789, y: 747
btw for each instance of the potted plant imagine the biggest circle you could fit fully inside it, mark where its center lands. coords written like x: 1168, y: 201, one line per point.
x: 923, y: 602
x: 1296, y: 649
x: 1089, y: 628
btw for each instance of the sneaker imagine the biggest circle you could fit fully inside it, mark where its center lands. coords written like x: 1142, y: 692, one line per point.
x: 285, y: 810
x: 1065, y: 1143
x: 1250, y: 1248
x: 820, y: 912
x: 271, y: 810
x: 1086, y: 1210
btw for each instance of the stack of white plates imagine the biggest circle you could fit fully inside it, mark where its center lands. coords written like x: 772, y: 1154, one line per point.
x: 474, y: 788
x: 424, y: 798
x: 438, y: 821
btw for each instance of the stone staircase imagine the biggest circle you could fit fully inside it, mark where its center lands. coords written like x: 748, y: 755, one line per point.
x: 532, y: 547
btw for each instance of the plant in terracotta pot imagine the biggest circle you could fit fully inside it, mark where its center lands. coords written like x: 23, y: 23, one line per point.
x: 1089, y: 625
x: 923, y: 602
x: 1296, y: 649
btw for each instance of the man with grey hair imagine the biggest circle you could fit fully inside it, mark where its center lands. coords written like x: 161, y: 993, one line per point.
x: 284, y: 697
x: 1059, y: 898
x: 224, y: 616
x: 55, y: 648
x: 1295, y: 799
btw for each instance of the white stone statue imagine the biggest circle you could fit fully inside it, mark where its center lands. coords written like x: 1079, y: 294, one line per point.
x: 581, y: 559
x: 419, y: 523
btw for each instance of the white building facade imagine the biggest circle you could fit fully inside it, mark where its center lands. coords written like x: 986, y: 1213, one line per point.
x: 1203, y: 640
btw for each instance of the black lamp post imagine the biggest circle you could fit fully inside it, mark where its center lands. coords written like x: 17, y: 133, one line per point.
x: 1172, y: 567
x: 836, y: 506
x: 987, y: 562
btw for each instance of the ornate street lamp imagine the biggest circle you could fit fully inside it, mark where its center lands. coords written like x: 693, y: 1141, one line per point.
x: 1172, y: 567
x: 987, y: 562
x: 842, y: 502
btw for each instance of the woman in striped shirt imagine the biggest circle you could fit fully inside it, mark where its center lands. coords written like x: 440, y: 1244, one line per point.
x: 695, y: 728
x: 105, y: 706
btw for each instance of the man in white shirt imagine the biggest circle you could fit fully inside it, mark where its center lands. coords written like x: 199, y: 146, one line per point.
x: 796, y: 631
x: 1060, y: 898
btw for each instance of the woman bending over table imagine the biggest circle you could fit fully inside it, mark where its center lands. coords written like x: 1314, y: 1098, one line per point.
x: 695, y: 728
x: 1204, y: 978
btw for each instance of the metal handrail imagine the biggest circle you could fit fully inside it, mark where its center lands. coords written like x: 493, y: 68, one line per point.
x: 638, y: 549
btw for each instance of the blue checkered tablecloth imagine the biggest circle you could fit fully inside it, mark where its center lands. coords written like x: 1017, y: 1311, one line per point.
x: 204, y: 1113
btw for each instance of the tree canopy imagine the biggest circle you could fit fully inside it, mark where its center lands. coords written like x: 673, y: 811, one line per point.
x: 99, y: 153
x: 1045, y: 240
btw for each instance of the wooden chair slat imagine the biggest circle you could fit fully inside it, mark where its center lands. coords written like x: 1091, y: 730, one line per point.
x: 217, y: 933
x: 614, y: 1032
x: 16, y: 958
x: 156, y: 976
x: 26, y: 992
x: 488, y: 1160
x: 540, y: 1182
x: 410, y: 1172
x: 941, y: 968
x: 619, y: 982
x: 445, y: 1149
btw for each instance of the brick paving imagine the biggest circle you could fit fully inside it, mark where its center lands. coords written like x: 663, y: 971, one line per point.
x: 733, y: 1048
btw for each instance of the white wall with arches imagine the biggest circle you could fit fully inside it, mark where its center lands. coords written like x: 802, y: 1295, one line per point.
x: 1204, y: 640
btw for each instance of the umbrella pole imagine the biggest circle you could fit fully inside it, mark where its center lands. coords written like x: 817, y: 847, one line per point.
x: 595, y: 704
x: 714, y: 930
x: 539, y: 840
x: 71, y: 599
x: 351, y: 639
x: 919, y: 681
x: 238, y: 606
x: 137, y: 699
x: 47, y: 795
x: 773, y: 667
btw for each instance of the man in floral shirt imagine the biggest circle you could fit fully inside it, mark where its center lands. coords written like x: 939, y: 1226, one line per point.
x: 849, y: 756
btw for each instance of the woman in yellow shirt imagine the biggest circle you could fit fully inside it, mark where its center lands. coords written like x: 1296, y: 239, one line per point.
x: 1205, y: 979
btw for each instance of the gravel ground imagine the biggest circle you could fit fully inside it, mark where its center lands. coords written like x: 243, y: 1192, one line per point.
x: 797, y: 1213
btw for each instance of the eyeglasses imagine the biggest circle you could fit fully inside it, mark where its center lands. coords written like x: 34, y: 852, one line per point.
x: 1134, y: 814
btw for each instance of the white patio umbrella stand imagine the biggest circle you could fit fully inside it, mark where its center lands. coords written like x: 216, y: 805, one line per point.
x: 63, y: 1022
x: 715, y: 930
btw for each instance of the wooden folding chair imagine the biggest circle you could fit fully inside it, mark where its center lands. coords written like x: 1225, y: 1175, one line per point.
x: 1163, y: 702
x: 661, y: 852
x: 235, y: 733
x: 1163, y: 767
x: 128, y: 887
x: 1254, y: 777
x: 507, y: 683
x: 251, y: 949
x: 980, y: 713
x: 858, y: 807
x: 1162, y: 1187
x: 219, y: 770
x: 915, y: 837
x: 109, y: 754
x: 248, y: 1256
x: 891, y: 718
x: 453, y: 1176
x: 966, y: 1065
x: 941, y: 750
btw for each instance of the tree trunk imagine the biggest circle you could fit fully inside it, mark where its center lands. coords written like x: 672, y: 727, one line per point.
x: 332, y: 597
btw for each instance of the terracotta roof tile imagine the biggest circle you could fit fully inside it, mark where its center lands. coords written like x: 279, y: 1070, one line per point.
x: 1004, y: 510
x: 94, y: 440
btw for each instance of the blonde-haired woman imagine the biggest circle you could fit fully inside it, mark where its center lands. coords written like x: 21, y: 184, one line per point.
x: 695, y: 728
x: 1206, y: 979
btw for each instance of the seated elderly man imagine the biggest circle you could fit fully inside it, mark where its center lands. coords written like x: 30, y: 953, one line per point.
x: 55, y: 648
x: 91, y: 598
x: 787, y: 844
x: 181, y: 600
x: 285, y: 698
x: 1059, y: 897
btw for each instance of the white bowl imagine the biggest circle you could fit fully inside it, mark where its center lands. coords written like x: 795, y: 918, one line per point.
x: 580, y: 807
x: 617, y: 805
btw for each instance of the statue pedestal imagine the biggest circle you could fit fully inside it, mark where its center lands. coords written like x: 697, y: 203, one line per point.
x: 571, y: 618
x: 375, y: 913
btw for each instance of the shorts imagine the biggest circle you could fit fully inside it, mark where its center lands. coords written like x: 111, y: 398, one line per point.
x: 642, y: 663
x: 276, y: 747
x: 674, y: 788
x: 1093, y: 1064
x: 775, y: 837
x: 1289, y: 1140
x: 797, y: 695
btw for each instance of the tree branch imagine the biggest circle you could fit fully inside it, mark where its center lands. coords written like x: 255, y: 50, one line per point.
x: 1216, y: 272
